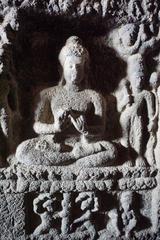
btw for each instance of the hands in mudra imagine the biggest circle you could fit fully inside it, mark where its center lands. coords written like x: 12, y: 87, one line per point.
x: 66, y: 118
x: 79, y: 123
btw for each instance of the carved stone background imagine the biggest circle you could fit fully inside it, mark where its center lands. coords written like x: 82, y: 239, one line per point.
x: 68, y: 202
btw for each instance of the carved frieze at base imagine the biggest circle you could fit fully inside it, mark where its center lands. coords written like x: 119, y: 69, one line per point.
x: 104, y: 203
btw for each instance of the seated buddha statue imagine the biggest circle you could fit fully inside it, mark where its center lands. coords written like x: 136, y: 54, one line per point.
x: 70, y: 118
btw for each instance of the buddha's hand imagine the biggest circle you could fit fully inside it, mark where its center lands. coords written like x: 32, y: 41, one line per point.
x: 62, y: 120
x: 79, y: 123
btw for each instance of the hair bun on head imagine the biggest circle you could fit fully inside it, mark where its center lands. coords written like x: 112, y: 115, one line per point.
x: 73, y: 47
x: 73, y: 39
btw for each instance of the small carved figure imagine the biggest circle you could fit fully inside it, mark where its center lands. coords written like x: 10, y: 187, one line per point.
x: 132, y: 38
x: 137, y: 109
x: 44, y: 206
x: 133, y: 42
x: 128, y: 216
x: 70, y: 118
x: 155, y: 82
x: 89, y: 204
x: 151, y: 145
x: 112, y: 225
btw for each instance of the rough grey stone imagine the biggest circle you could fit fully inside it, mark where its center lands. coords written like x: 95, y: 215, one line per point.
x: 80, y: 160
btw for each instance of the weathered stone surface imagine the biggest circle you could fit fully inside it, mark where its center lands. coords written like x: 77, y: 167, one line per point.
x: 12, y: 217
x: 90, y: 202
x: 81, y: 160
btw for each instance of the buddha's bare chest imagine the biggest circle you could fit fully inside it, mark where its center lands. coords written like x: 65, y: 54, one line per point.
x: 77, y: 102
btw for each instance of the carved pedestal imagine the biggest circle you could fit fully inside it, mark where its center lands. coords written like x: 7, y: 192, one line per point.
x: 62, y: 203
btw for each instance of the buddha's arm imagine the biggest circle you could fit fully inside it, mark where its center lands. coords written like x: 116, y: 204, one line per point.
x: 43, y: 114
x: 5, y: 120
x: 100, y: 112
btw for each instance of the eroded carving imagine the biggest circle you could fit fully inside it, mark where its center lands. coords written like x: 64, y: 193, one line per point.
x: 92, y: 218
x: 128, y: 215
x: 88, y: 204
x: 133, y: 38
x: 79, y: 118
x: 113, y: 223
x: 136, y: 106
x: 44, y: 206
x: 71, y: 120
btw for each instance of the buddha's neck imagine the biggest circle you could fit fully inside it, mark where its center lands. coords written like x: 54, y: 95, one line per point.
x: 73, y: 87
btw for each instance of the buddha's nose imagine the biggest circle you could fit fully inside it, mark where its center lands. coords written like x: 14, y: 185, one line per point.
x: 74, y: 70
x: 74, y: 67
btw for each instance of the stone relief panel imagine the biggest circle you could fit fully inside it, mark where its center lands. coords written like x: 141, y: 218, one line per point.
x: 136, y: 108
x: 142, y: 142
x: 98, y: 203
x: 79, y: 119
x: 97, y: 215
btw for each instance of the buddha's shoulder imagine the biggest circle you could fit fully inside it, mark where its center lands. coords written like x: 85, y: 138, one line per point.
x: 50, y: 92
x: 93, y: 93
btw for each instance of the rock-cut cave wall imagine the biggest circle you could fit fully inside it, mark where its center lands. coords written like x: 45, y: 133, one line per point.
x: 79, y: 160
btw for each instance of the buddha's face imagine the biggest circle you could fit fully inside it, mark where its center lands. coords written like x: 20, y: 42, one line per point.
x: 73, y: 70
